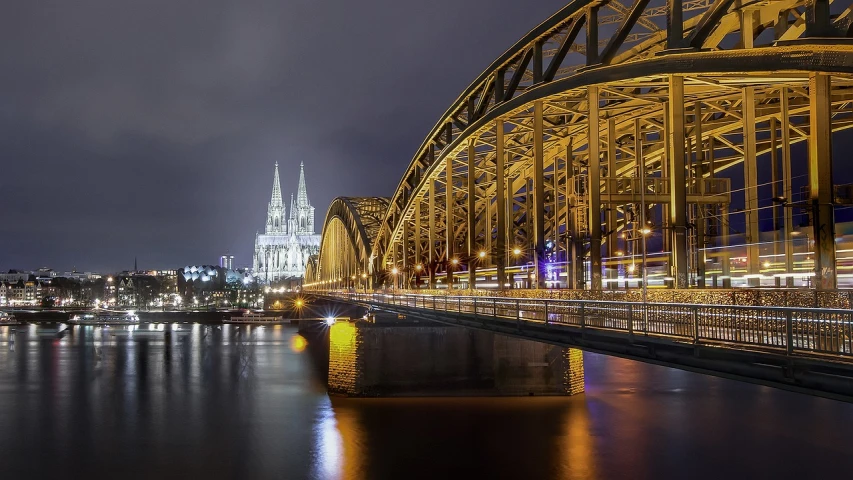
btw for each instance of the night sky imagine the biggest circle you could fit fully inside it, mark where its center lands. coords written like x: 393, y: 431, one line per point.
x: 149, y: 129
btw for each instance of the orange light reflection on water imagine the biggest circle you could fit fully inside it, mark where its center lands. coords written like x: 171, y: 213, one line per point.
x: 298, y: 343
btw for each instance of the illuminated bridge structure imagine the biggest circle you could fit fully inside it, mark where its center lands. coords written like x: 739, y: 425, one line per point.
x: 614, y: 125
x: 685, y: 144
x: 351, y: 227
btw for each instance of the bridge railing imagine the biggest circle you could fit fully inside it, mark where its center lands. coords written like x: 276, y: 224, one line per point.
x: 787, y: 330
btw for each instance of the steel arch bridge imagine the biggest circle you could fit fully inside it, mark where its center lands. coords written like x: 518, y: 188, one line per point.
x: 351, y: 227
x: 612, y: 123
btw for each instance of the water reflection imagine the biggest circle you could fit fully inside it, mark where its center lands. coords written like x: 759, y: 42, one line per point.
x: 327, y: 455
x: 237, y: 402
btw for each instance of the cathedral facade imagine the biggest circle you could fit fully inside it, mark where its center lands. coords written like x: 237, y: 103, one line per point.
x: 282, y: 251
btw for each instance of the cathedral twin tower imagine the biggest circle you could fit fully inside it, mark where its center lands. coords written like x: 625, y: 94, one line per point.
x: 282, y: 251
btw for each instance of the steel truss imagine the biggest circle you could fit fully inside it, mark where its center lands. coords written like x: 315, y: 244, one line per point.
x: 609, y: 113
x: 352, y: 225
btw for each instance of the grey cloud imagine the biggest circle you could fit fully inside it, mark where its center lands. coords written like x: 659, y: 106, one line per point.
x: 115, y: 112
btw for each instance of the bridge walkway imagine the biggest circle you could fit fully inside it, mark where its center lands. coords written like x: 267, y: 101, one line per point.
x: 802, y: 349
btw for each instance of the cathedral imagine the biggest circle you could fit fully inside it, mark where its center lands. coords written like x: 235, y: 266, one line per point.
x: 282, y: 251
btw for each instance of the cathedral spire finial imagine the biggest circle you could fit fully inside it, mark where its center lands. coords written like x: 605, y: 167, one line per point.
x: 302, y: 193
x: 275, y: 211
x: 275, y: 201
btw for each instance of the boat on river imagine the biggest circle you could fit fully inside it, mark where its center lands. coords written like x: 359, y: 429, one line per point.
x: 254, y: 317
x: 7, y: 319
x: 105, y: 318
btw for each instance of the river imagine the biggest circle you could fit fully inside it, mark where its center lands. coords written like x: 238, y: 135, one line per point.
x: 247, y: 402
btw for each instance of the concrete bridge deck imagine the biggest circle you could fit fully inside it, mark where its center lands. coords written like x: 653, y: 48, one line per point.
x: 802, y: 349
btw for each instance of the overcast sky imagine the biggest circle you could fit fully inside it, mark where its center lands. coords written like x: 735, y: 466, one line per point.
x: 149, y: 128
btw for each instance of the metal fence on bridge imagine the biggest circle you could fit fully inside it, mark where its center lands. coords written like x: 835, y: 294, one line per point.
x: 786, y: 329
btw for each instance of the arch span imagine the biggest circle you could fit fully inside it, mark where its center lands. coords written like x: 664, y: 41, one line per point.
x: 610, y: 125
x: 351, y: 226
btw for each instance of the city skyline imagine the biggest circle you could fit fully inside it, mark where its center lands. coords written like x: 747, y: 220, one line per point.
x: 523, y: 239
x: 120, y: 144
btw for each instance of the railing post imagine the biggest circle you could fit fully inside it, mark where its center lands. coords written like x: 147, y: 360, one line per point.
x: 518, y: 314
x: 476, y: 315
x: 789, y: 332
x: 494, y: 308
x: 583, y: 315
x: 546, y: 312
x: 695, y: 325
x: 631, y: 319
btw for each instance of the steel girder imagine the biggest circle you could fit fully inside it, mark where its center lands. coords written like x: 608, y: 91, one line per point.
x: 351, y: 226
x: 728, y: 61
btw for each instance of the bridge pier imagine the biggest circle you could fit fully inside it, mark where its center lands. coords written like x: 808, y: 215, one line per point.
x: 427, y: 359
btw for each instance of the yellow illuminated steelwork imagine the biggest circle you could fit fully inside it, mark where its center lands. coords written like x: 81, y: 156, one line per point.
x: 582, y: 144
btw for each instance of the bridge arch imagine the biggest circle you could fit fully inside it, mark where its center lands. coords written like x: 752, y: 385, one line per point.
x: 350, y: 228
x: 544, y: 158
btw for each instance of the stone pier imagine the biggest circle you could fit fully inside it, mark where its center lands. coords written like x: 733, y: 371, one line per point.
x: 412, y: 359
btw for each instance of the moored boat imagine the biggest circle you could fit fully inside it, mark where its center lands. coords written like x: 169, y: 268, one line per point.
x: 7, y: 319
x: 253, y: 317
x: 105, y: 318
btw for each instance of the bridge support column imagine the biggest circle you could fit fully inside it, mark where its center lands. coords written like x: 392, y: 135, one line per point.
x: 406, y: 271
x: 725, y: 255
x: 699, y: 174
x: 500, y: 201
x: 395, y: 259
x: 449, y: 233
x: 394, y: 359
x: 472, y: 214
x: 820, y: 180
x: 418, y: 261
x: 611, y: 235
x: 594, y: 186
x: 570, y: 226
x: 538, y: 195
x: 788, y: 214
x: 677, y: 182
x: 431, y: 233
x: 750, y: 191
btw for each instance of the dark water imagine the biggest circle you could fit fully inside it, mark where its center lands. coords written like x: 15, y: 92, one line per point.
x: 240, y: 402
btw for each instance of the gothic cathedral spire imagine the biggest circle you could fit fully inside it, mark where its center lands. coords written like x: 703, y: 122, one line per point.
x: 276, y: 189
x: 302, y: 192
x: 275, y: 210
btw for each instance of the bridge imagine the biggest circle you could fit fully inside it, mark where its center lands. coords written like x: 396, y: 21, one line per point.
x: 650, y: 156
